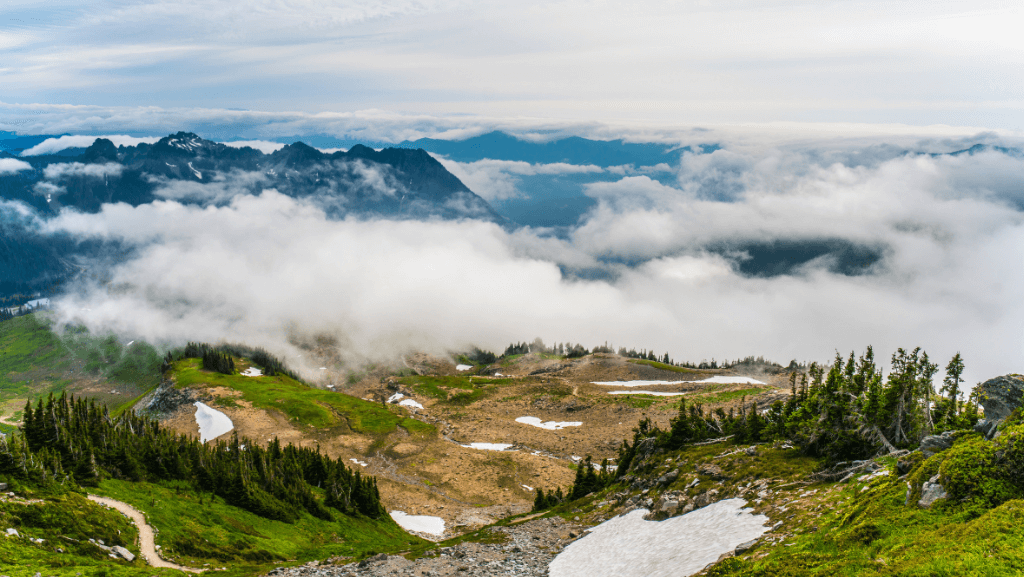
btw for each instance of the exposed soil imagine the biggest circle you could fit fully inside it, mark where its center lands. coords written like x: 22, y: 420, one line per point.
x: 469, y: 487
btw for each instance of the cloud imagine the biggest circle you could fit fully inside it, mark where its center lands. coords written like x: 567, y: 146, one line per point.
x: 495, y: 180
x: 222, y: 188
x: 271, y: 270
x: 48, y: 189
x: 52, y: 145
x: 60, y: 170
x: 13, y: 165
x: 264, y: 146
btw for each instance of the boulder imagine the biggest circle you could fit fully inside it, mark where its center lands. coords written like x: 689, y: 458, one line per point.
x: 668, y: 478
x: 936, y: 443
x: 706, y: 498
x: 1000, y: 397
x: 713, y: 471
x: 743, y: 547
x: 931, y: 491
x: 123, y: 553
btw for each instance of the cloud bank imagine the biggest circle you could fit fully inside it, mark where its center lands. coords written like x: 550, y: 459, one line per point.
x: 52, y: 145
x: 269, y: 269
x: 13, y: 165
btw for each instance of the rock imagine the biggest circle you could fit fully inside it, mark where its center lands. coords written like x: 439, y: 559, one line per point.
x: 1000, y: 397
x: 668, y: 478
x: 123, y: 553
x: 3, y: 486
x: 706, y: 498
x: 751, y: 452
x: 711, y: 470
x: 12, y: 532
x: 931, y: 491
x: 743, y: 547
x: 936, y: 443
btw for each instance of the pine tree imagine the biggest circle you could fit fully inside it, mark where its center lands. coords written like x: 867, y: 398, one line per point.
x: 951, y: 386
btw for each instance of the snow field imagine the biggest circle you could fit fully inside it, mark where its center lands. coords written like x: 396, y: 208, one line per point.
x: 252, y: 372
x: 358, y: 462
x: 629, y: 546
x: 655, y: 393
x: 489, y: 446
x: 550, y: 425
x: 212, y: 423
x: 463, y: 367
x: 419, y: 523
x: 717, y: 380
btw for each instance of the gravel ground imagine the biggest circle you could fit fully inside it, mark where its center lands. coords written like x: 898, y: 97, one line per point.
x: 527, y: 552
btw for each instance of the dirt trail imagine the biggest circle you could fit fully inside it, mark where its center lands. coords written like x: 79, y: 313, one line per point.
x: 146, y: 543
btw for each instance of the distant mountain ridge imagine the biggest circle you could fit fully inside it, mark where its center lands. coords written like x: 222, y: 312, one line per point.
x: 394, y: 183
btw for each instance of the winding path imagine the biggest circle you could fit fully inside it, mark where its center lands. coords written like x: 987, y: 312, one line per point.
x: 147, y: 545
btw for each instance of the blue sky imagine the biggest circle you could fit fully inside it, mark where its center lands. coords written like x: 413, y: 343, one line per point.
x: 641, y: 63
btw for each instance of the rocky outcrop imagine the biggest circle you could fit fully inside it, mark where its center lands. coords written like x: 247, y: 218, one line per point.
x: 931, y: 492
x: 937, y: 443
x: 1000, y: 397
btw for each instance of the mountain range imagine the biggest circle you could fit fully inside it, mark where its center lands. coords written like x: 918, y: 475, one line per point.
x: 394, y: 183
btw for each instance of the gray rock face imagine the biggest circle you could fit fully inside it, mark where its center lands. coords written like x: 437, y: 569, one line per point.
x: 936, y: 443
x: 743, y: 547
x: 1000, y: 397
x: 931, y: 491
x: 123, y: 553
x: 668, y: 478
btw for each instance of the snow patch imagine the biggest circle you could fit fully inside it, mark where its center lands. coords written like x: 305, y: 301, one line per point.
x: 212, y: 423
x: 410, y: 403
x: 198, y: 174
x: 629, y: 546
x: 655, y: 393
x: 718, y: 380
x: 358, y: 462
x: 463, y: 367
x: 489, y: 446
x: 550, y: 425
x: 527, y: 487
x: 419, y: 523
x: 252, y: 372
x: 395, y: 397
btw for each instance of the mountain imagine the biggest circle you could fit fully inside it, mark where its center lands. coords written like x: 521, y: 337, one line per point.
x: 391, y: 183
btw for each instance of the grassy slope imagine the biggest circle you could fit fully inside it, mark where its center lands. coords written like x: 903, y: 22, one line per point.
x: 851, y: 529
x: 65, y: 524
x: 305, y: 405
x: 662, y: 366
x: 35, y: 362
x: 457, y: 390
x: 199, y: 529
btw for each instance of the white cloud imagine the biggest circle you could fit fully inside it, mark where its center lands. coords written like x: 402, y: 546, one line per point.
x: 52, y: 145
x: 12, y: 165
x: 57, y: 171
x: 264, y: 146
x: 495, y: 180
x: 269, y: 269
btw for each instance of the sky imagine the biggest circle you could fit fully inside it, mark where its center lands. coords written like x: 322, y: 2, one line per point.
x: 914, y: 63
x: 833, y: 120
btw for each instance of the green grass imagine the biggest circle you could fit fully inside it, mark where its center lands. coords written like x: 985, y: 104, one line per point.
x: 456, y: 390
x: 34, y: 362
x: 67, y: 522
x: 724, y: 396
x: 662, y: 366
x: 302, y: 404
x: 196, y: 529
x: 879, y: 535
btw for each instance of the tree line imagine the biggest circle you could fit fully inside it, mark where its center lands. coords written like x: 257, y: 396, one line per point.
x: 844, y: 411
x: 73, y: 442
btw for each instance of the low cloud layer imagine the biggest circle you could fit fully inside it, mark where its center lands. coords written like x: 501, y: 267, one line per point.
x: 12, y: 165
x: 269, y: 268
x: 52, y: 145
